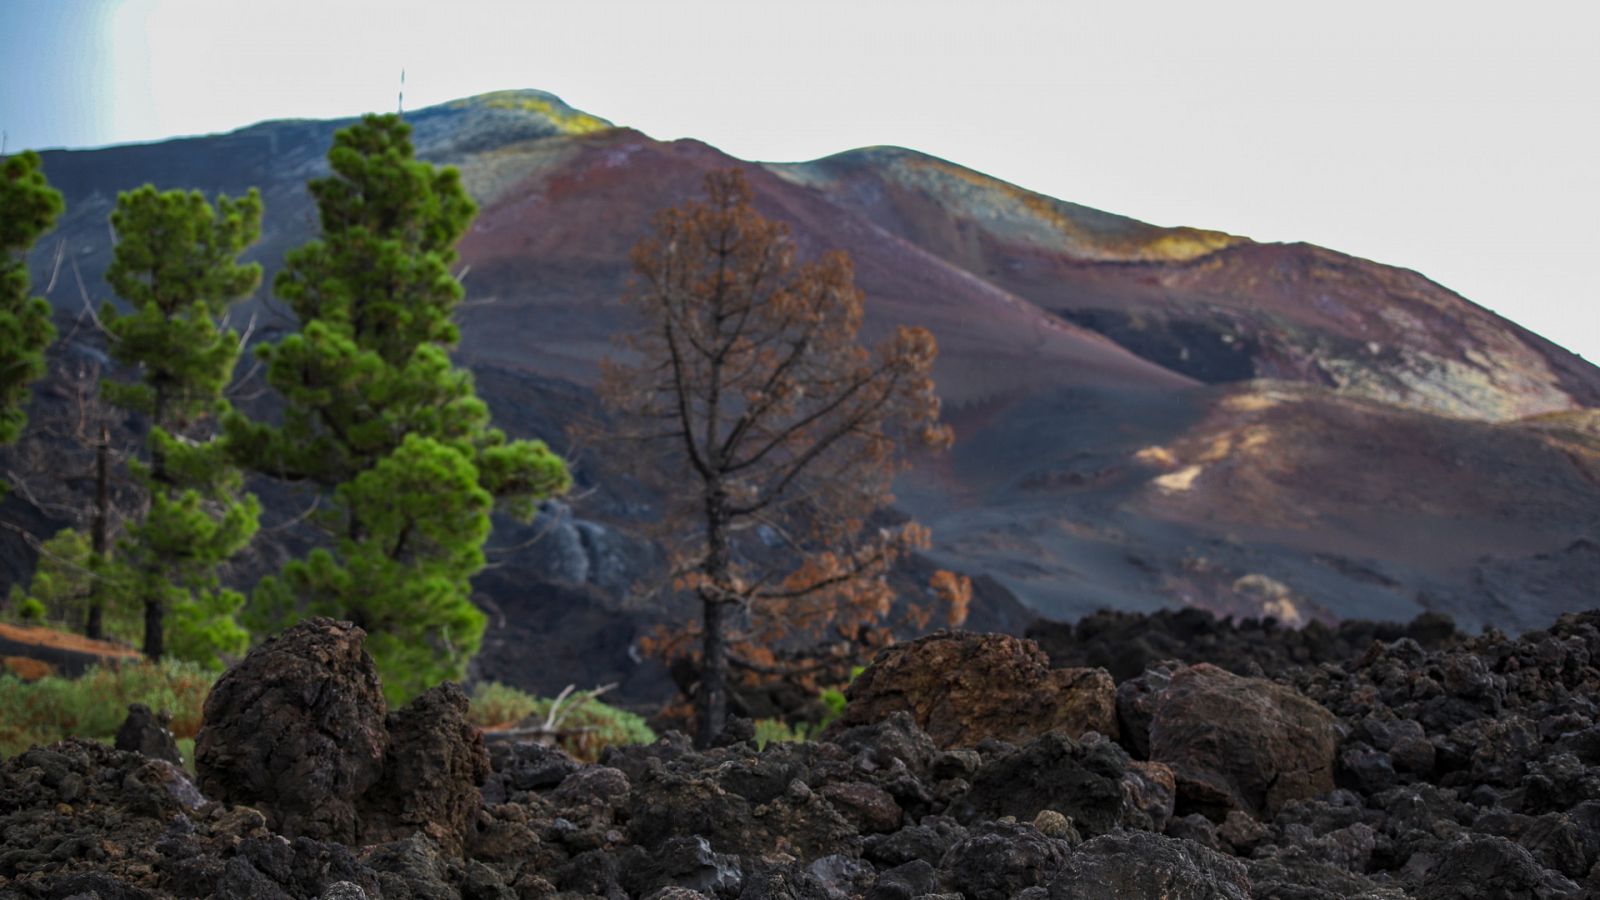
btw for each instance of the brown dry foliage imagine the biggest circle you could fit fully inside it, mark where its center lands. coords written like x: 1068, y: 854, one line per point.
x: 746, y: 397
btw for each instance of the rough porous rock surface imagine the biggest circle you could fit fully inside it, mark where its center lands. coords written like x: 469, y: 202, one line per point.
x: 1139, y: 864
x: 432, y: 771
x: 964, y: 688
x: 1471, y: 771
x: 1081, y: 781
x: 149, y: 733
x: 1237, y: 743
x: 297, y: 729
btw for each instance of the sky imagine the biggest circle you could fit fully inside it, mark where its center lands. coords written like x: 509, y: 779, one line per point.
x: 1460, y: 139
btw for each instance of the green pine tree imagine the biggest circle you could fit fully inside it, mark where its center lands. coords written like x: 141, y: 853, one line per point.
x: 59, y: 590
x: 375, y: 413
x: 176, y: 263
x: 28, y: 208
x: 64, y: 586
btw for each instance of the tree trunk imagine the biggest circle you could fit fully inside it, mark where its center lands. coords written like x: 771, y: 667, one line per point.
x: 713, y: 700
x: 94, y: 628
x: 713, y: 712
x: 154, y: 644
x: 158, y: 462
x: 154, y: 614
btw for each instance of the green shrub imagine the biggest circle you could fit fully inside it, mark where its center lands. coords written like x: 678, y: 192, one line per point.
x: 30, y: 611
x: 590, y: 728
x: 495, y: 704
x: 778, y: 731
x: 833, y: 703
x: 833, y: 700
x: 95, y: 704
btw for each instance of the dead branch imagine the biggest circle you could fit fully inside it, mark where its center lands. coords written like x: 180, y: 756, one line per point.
x: 553, y: 727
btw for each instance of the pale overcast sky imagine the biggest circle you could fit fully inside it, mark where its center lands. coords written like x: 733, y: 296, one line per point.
x: 1461, y: 139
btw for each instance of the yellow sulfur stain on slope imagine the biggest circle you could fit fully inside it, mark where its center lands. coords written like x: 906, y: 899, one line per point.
x: 1131, y: 241
x: 568, y: 121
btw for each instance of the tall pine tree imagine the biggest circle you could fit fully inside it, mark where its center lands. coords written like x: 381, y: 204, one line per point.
x: 176, y: 263
x: 375, y: 413
x: 28, y: 208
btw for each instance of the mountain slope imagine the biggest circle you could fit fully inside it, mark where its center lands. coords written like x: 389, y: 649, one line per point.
x: 1115, y: 445
x: 1214, y: 306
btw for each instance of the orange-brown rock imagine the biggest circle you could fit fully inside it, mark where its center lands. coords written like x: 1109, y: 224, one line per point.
x: 963, y: 688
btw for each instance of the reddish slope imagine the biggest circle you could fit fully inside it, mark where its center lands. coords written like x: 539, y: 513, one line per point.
x: 1217, y: 307
x: 548, y: 258
x: 1071, y: 478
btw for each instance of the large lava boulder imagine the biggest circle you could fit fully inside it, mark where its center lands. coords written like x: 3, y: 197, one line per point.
x: 963, y: 688
x: 1238, y: 743
x: 296, y: 729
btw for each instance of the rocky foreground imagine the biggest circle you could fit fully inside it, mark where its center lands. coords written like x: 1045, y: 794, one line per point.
x: 965, y: 766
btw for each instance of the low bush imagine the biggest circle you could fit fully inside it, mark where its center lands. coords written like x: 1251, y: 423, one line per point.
x: 95, y: 704
x: 770, y: 731
x: 833, y: 703
x: 498, y: 705
x: 589, y: 728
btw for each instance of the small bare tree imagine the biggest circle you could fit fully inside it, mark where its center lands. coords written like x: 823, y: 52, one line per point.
x: 748, y: 398
x: 69, y: 466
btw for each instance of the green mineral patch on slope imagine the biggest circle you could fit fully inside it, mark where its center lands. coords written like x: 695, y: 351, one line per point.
x: 566, y: 119
x: 1014, y: 212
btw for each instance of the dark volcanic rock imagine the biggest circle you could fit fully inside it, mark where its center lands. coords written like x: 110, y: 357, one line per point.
x: 521, y: 766
x: 683, y: 862
x: 1125, y: 644
x: 897, y: 738
x: 1139, y: 864
x: 1241, y: 743
x: 148, y: 733
x: 1493, y: 867
x: 998, y: 860
x: 927, y: 841
x: 963, y: 688
x: 1470, y: 771
x: 431, y: 773
x: 296, y: 728
x: 1053, y: 772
